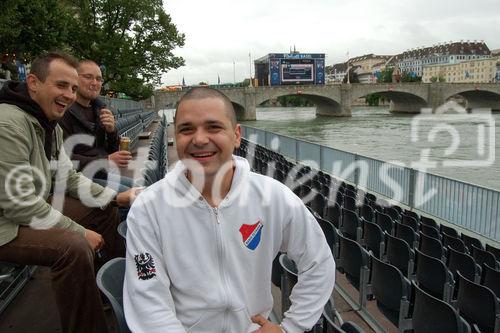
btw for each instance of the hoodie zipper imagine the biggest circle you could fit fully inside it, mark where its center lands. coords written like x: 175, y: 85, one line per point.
x: 220, y: 253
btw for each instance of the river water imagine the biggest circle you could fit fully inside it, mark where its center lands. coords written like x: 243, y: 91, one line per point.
x: 462, y: 146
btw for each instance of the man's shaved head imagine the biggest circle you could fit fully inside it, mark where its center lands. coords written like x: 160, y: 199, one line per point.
x: 206, y: 92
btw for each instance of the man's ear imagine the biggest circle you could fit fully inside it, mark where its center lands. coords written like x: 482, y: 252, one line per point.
x: 237, y: 132
x: 32, y: 82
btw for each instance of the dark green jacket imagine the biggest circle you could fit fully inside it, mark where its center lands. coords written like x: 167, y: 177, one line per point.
x: 26, y: 177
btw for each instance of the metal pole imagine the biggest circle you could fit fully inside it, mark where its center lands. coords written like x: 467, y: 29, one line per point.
x: 412, y: 185
x: 250, y: 67
x: 348, y: 81
x: 234, y: 72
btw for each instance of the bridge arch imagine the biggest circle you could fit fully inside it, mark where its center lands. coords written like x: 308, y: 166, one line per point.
x: 403, y: 99
x: 239, y: 110
x: 477, y: 98
x: 325, y: 104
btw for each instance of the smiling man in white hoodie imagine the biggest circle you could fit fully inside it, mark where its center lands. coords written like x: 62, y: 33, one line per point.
x: 201, y: 242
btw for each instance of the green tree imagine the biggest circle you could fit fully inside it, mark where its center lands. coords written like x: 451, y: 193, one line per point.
x: 407, y: 77
x: 294, y: 100
x: 30, y: 27
x: 372, y: 99
x: 386, y: 75
x: 133, y: 39
x: 437, y: 79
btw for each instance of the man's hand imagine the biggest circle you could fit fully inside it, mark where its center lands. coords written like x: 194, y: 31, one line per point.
x: 265, y: 325
x: 95, y: 240
x: 125, y: 199
x: 121, y: 158
x: 107, y: 120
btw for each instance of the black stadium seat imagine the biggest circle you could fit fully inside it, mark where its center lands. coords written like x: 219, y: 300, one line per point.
x: 470, y: 240
x: 484, y: 257
x: 433, y: 276
x: 463, y: 263
x: 407, y: 234
x: 431, y: 246
x: 385, y: 222
x: 429, y: 222
x: 450, y: 231
x: 454, y: 243
x: 393, y: 213
x: 354, y: 261
x: 478, y: 305
x: 430, y: 314
x: 351, y: 225
x: 367, y: 213
x: 411, y: 222
x: 430, y: 231
x: 411, y: 214
x: 333, y: 213
x: 331, y: 235
x: 495, y: 251
x: 491, y: 278
x: 399, y: 254
x: 373, y: 239
x: 392, y: 292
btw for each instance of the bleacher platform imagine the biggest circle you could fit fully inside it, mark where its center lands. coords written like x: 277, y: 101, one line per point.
x: 397, y: 270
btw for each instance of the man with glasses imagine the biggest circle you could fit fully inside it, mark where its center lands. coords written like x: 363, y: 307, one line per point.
x: 90, y: 116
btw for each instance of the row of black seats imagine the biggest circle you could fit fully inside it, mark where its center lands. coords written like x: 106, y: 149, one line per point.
x: 448, y: 298
x: 126, y: 112
x: 393, y: 236
x: 411, y: 304
x: 147, y: 118
x: 157, y: 164
x: 126, y: 122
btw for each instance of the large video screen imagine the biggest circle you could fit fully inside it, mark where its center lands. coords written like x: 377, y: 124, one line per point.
x: 295, y: 71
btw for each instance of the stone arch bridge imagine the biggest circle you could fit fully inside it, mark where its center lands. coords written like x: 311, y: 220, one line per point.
x: 336, y: 100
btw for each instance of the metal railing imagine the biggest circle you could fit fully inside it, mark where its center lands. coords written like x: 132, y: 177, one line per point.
x: 466, y: 205
x: 123, y: 107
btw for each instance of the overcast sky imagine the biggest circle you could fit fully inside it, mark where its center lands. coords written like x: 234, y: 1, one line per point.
x: 222, y: 32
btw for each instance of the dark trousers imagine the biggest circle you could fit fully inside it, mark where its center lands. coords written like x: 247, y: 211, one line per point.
x: 71, y: 261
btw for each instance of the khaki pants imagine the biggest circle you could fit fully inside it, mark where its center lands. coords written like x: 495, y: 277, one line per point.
x: 71, y: 261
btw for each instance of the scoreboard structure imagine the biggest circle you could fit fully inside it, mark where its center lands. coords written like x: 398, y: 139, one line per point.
x: 295, y: 68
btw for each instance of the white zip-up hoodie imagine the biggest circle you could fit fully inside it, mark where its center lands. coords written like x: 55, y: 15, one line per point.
x: 195, y: 268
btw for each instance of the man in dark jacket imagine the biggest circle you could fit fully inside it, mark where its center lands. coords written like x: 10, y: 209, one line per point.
x: 89, y: 115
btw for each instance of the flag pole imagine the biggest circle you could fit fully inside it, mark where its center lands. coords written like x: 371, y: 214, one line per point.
x: 348, y: 80
x: 250, y: 67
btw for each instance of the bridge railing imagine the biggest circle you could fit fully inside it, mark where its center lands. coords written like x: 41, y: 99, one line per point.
x: 466, y: 205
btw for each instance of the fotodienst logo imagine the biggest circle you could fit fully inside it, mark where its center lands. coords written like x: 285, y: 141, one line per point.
x: 448, y: 124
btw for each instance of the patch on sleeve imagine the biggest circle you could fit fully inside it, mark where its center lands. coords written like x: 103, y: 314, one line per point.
x: 145, y: 266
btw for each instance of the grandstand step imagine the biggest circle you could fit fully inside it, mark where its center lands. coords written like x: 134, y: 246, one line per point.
x: 144, y: 135
x: 26, y: 313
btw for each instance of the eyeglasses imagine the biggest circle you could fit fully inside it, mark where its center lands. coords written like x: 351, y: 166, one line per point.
x: 90, y: 77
